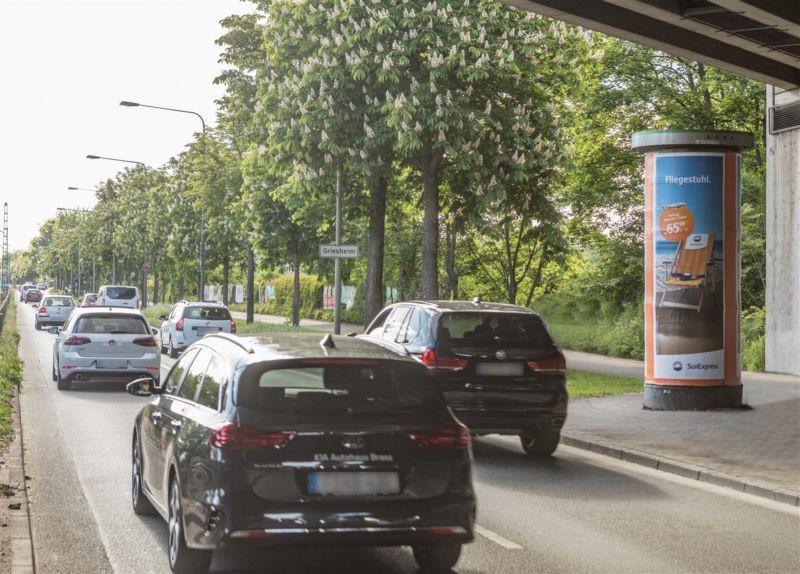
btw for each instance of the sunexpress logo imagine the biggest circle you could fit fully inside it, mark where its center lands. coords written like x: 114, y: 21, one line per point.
x: 684, y: 179
x: 701, y: 366
x: 677, y: 366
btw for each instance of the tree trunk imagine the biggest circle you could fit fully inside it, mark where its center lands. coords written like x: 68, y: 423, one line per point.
x: 181, y: 288
x: 251, y: 273
x: 296, y: 291
x: 155, y: 288
x: 450, y: 260
x: 373, y: 296
x: 430, y: 161
x: 226, y: 263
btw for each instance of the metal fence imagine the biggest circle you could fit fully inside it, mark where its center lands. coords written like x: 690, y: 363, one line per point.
x: 6, y: 297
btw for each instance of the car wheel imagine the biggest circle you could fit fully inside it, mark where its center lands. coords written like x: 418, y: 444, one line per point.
x: 62, y: 383
x: 141, y: 505
x: 541, y: 443
x: 182, y: 559
x: 173, y: 352
x: 37, y: 325
x: 436, y: 557
x: 55, y: 376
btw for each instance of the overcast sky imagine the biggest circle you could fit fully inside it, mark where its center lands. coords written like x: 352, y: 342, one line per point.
x: 64, y: 67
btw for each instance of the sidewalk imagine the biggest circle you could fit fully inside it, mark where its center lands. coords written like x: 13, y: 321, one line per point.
x: 308, y: 323
x: 755, y: 450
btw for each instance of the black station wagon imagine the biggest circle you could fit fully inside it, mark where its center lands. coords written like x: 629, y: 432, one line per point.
x: 301, y: 439
x: 497, y: 365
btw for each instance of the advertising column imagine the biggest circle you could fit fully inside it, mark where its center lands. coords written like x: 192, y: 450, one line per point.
x: 692, y: 290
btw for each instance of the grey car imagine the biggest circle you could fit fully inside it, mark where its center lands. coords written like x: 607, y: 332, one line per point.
x: 53, y: 310
x: 188, y: 321
x: 104, y: 345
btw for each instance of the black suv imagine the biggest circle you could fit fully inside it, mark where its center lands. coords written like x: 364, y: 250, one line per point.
x: 497, y: 365
x: 301, y: 439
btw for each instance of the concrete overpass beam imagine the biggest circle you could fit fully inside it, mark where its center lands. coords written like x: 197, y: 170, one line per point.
x: 783, y: 243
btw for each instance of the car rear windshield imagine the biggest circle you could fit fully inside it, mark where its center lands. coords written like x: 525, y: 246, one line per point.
x: 59, y: 302
x: 353, y: 388
x: 112, y: 325
x: 493, y: 330
x: 121, y: 292
x: 207, y: 313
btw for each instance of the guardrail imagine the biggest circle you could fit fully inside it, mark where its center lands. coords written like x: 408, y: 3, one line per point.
x: 6, y: 296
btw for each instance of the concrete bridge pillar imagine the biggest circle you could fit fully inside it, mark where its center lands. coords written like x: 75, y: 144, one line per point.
x: 783, y: 238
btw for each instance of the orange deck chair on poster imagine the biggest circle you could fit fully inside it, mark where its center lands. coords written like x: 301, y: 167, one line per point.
x: 690, y: 269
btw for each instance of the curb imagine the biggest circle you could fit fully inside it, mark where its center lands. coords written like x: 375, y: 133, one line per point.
x: 22, y: 558
x: 683, y: 469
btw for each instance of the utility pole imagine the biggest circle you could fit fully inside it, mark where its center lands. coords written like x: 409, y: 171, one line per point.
x: 337, y: 265
x: 5, y: 274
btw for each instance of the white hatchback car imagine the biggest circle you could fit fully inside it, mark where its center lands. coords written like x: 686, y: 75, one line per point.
x: 187, y: 322
x: 104, y: 345
x: 118, y: 296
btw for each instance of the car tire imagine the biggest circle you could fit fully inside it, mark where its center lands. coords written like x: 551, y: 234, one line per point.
x: 55, y: 376
x: 182, y: 559
x: 62, y: 383
x: 173, y: 352
x: 540, y: 443
x: 37, y: 325
x: 141, y: 504
x: 436, y: 557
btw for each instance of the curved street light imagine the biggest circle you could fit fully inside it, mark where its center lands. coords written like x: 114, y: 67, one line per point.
x: 201, y: 287
x: 145, y: 267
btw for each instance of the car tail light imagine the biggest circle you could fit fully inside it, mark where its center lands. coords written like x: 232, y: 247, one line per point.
x: 553, y: 365
x: 233, y: 326
x: 145, y: 342
x: 230, y: 436
x: 455, y: 437
x: 75, y: 340
x: 42, y: 309
x: 179, y: 325
x: 429, y: 358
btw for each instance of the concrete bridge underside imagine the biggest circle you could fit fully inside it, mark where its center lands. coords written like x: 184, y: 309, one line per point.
x: 759, y: 39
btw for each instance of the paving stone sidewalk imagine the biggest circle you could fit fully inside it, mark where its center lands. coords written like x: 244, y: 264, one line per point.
x: 759, y: 445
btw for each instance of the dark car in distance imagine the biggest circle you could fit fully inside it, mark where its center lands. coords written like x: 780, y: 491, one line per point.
x: 33, y: 295
x: 294, y: 439
x: 497, y: 365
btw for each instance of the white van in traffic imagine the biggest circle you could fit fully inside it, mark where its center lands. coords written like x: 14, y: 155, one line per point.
x: 118, y: 296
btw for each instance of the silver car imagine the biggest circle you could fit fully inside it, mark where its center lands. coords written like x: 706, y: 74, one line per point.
x: 187, y: 322
x: 104, y: 345
x: 53, y: 310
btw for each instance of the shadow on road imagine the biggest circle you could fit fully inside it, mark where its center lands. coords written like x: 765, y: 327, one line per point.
x: 498, y: 464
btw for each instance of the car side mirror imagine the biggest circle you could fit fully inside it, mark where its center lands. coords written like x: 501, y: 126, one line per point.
x: 162, y: 317
x: 35, y: 305
x: 54, y: 330
x: 154, y: 331
x: 143, y: 387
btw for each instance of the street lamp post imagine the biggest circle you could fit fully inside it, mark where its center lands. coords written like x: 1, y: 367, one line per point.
x: 145, y: 268
x: 94, y: 261
x: 202, y: 285
x: 81, y: 211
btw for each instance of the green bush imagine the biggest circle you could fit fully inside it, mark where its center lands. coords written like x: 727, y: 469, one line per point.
x: 753, y: 329
x: 10, y: 368
x: 310, y: 297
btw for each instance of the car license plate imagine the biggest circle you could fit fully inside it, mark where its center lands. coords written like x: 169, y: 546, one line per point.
x: 499, y: 369
x: 112, y: 364
x: 207, y: 330
x: 355, y: 483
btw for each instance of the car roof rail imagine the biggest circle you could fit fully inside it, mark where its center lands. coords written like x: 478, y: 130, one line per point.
x: 238, y: 341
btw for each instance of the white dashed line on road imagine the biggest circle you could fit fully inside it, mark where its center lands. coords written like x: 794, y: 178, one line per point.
x: 497, y: 539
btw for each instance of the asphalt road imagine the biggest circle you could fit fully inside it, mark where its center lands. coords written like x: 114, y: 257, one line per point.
x: 577, y: 512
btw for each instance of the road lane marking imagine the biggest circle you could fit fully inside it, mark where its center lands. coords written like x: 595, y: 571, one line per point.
x: 497, y: 539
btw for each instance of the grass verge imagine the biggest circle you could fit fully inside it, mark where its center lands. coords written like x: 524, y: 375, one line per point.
x: 582, y: 384
x: 10, y: 370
